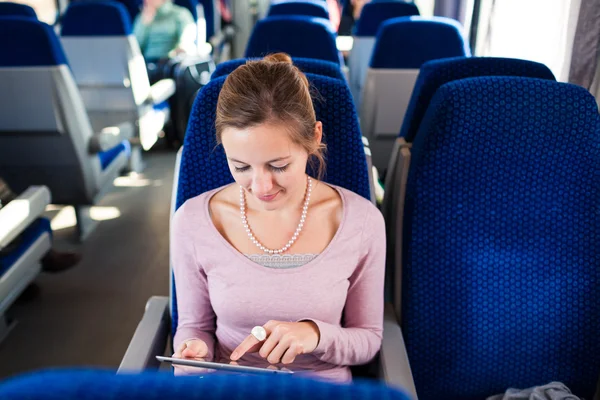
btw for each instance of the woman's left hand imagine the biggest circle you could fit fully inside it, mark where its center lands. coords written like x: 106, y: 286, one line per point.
x: 285, y: 340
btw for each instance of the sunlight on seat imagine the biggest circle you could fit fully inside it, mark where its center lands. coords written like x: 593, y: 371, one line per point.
x: 66, y: 216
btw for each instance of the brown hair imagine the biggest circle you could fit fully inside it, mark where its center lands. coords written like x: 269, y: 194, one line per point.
x: 271, y: 90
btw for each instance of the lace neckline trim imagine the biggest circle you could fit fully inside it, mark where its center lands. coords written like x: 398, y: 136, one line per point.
x: 281, y: 260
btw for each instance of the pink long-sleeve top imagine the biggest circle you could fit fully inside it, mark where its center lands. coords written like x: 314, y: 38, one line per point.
x: 222, y: 295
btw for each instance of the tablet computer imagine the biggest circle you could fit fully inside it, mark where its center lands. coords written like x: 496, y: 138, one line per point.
x: 223, y: 367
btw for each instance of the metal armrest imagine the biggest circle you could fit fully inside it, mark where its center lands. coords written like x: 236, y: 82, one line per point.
x: 162, y: 90
x: 108, y: 138
x: 394, y: 359
x: 21, y: 212
x: 150, y: 337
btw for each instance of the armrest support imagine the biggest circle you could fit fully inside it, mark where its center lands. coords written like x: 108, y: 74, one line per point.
x: 161, y: 91
x: 394, y: 359
x: 21, y: 212
x: 107, y: 138
x: 150, y: 337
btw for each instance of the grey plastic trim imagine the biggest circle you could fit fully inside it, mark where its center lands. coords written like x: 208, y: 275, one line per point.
x: 149, y: 339
x: 17, y: 215
x: 395, y: 367
x: 162, y: 90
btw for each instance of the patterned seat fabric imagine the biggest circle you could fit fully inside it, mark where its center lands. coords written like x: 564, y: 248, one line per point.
x: 309, y: 8
x: 106, y: 385
x: 306, y: 65
x: 312, y: 38
x: 434, y: 74
x: 501, y: 262
x: 204, y: 166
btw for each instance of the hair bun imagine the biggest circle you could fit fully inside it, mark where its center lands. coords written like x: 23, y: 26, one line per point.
x: 278, y: 58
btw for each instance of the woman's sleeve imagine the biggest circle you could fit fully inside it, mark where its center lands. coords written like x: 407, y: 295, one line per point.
x: 196, y: 316
x: 358, y: 340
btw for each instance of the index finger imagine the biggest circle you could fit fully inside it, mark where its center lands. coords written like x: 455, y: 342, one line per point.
x: 249, y: 345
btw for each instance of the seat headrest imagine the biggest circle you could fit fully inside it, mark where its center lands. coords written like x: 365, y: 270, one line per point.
x: 375, y: 13
x: 16, y: 10
x: 434, y: 74
x: 96, y: 19
x: 190, y: 5
x: 309, y: 8
x: 312, y: 38
x: 27, y: 42
x: 408, y: 42
x: 306, y: 65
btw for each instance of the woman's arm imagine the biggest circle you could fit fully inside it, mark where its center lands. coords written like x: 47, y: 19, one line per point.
x: 196, y: 316
x: 359, y: 338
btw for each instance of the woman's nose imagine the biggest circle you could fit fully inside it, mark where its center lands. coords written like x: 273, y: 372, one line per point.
x: 262, y: 184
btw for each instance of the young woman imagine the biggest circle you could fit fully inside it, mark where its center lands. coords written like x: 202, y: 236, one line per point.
x: 277, y: 267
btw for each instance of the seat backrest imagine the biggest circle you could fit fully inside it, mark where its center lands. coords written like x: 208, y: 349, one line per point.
x: 106, y: 61
x: 309, y: 8
x: 44, y: 128
x: 151, y: 385
x: 311, y: 38
x: 190, y: 5
x: 434, y: 74
x: 133, y: 7
x: 373, y: 14
x: 204, y: 166
x: 8, y: 9
x: 501, y: 263
x: 212, y: 17
x: 402, y: 45
x: 306, y: 65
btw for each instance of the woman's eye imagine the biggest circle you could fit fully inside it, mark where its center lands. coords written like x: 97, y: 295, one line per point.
x: 241, y: 169
x: 279, y: 169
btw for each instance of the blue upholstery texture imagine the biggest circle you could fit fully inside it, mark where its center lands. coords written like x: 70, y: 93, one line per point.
x: 408, y: 42
x: 204, y: 166
x: 306, y: 65
x: 106, y: 385
x: 96, y: 19
x: 501, y: 258
x: 108, y: 156
x: 434, y: 74
x: 209, y: 15
x: 375, y: 13
x: 309, y: 8
x: 26, y: 239
x: 190, y: 5
x: 311, y: 38
x: 28, y: 43
x: 8, y: 9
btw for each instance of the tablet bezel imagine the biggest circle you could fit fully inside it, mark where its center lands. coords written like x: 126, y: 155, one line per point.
x: 221, y: 366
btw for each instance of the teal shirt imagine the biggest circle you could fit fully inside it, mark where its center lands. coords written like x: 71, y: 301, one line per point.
x: 164, y: 33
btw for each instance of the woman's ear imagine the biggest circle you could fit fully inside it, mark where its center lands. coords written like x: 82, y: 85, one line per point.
x: 318, y: 132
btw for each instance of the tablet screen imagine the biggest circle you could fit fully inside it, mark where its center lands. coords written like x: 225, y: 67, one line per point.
x: 224, y: 367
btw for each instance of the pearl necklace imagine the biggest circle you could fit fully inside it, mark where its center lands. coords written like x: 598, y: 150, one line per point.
x: 296, y: 233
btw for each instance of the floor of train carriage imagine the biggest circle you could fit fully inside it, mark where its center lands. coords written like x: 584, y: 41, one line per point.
x: 87, y: 315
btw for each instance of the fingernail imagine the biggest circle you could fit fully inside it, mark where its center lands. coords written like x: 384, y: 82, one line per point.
x: 234, y: 355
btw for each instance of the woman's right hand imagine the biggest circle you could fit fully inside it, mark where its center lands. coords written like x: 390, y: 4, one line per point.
x: 193, y: 349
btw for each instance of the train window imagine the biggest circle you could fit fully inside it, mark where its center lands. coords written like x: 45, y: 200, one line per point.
x: 425, y: 7
x: 537, y: 30
x: 45, y: 9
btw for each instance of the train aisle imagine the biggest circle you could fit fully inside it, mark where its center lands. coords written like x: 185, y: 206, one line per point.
x: 87, y: 315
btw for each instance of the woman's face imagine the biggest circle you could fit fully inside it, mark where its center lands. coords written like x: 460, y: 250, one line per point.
x: 267, y: 164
